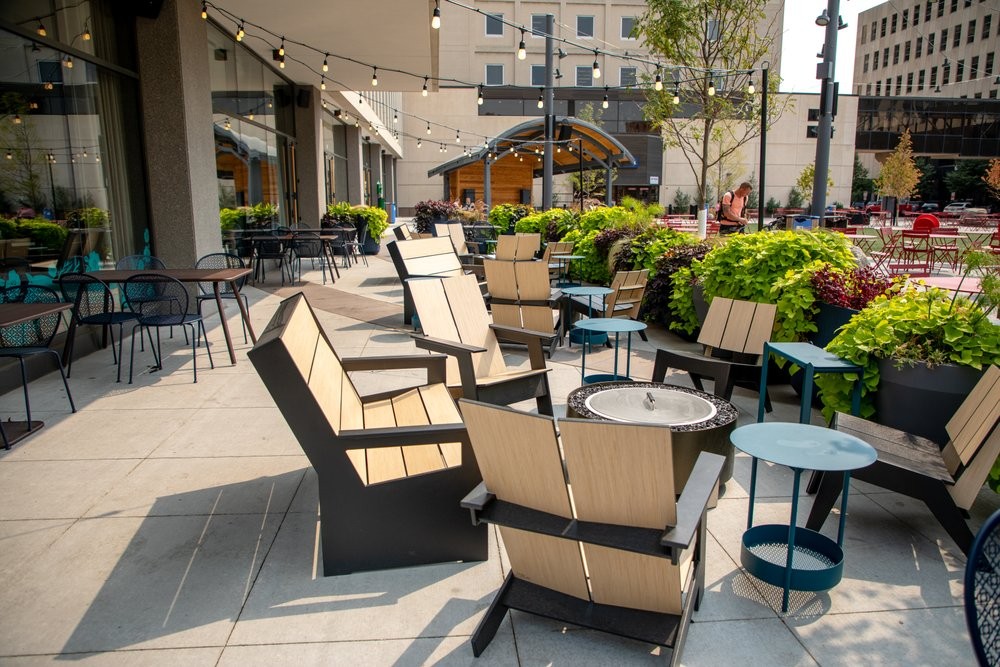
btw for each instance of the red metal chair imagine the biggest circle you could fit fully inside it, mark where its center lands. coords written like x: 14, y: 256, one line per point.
x: 925, y: 222
x: 946, y: 250
x: 916, y: 255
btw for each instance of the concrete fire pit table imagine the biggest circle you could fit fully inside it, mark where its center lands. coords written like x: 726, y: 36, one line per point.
x: 698, y: 421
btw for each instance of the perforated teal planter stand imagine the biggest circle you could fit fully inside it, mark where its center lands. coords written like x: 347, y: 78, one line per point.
x: 788, y: 556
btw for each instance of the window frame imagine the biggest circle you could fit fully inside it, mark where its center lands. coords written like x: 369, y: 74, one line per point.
x: 593, y: 26
x: 498, y: 18
x: 486, y: 74
x: 537, y: 32
x: 590, y: 75
x: 531, y: 75
x: 621, y: 28
x: 621, y: 77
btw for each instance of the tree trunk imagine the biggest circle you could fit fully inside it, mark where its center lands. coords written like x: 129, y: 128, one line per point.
x: 703, y: 186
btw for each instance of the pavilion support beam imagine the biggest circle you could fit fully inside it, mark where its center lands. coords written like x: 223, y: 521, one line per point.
x: 487, y: 186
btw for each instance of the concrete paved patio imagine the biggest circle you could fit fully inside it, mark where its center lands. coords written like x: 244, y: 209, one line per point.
x: 176, y: 523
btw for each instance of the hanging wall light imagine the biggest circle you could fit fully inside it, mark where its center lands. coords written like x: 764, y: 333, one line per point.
x: 541, y: 99
x: 374, y: 76
x: 823, y: 19
x: 326, y: 65
x: 479, y: 100
x: 68, y: 62
x: 424, y: 91
x: 677, y: 94
x: 751, y: 89
x: 322, y: 83
x: 604, y: 103
x: 395, y: 118
x: 522, y: 51
x: 42, y: 32
x: 240, y: 32
x: 436, y: 17
x: 86, y: 36
x: 597, y: 68
x: 16, y: 119
x: 420, y: 143
x: 204, y: 10
x: 428, y: 128
x: 9, y: 156
x: 458, y: 139
x: 281, y: 48
x: 658, y: 81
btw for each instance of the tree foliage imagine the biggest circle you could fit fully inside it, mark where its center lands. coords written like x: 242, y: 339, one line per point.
x: 861, y: 182
x: 709, y: 128
x: 899, y: 174
x: 593, y: 182
x: 966, y: 181
x: 992, y: 178
x: 927, y: 185
x: 804, y: 183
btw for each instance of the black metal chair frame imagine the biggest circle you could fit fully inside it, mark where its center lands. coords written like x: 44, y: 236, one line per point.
x: 81, y: 290
x: 206, y: 291
x: 982, y: 589
x: 38, y: 340
x: 151, y: 313
x: 309, y: 245
x: 264, y: 249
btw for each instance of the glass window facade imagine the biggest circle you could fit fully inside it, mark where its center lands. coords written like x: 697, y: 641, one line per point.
x: 335, y: 159
x: 494, y: 75
x: 70, y: 137
x: 252, y: 117
x: 628, y: 24
x: 969, y: 127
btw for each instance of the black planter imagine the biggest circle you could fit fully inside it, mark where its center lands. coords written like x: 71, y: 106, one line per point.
x: 921, y: 400
x: 700, y: 304
x: 371, y: 246
x: 829, y: 319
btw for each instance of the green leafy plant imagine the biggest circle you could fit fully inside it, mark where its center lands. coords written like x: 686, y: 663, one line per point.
x: 795, y: 198
x: 644, y: 249
x: 377, y: 219
x: 43, y: 233
x: 504, y: 216
x: 338, y: 214
x: 747, y: 266
x: 771, y: 206
x: 8, y: 228
x: 232, y: 218
x: 88, y: 217
x: 656, y: 304
x: 551, y: 224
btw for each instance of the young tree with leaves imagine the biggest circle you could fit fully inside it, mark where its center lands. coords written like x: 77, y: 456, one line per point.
x: 704, y: 43
x: 899, y: 176
x: 804, y: 183
x: 861, y: 182
x: 992, y: 178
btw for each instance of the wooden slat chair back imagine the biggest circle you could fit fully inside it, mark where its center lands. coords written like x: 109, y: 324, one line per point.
x: 520, y: 295
x: 518, y: 246
x: 556, y: 248
x: 421, y: 435
x: 455, y: 232
x: 402, y: 232
x: 974, y: 438
x: 740, y: 327
x: 604, y: 473
x: 454, y: 320
x: 629, y: 288
x: 432, y: 257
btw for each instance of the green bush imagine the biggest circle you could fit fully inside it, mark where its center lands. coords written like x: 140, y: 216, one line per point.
x: 682, y: 201
x: 795, y: 198
x: 604, y: 217
x: 771, y: 206
x: 43, y: 233
x: 90, y: 217
x: 656, y: 304
x: 593, y: 268
x: 8, y: 228
x: 747, y: 266
x: 551, y: 224
x: 504, y: 216
x: 232, y: 218
x: 649, y: 246
x: 377, y: 219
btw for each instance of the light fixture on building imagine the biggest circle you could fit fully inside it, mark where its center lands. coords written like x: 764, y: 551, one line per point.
x: 374, y: 76
x: 436, y: 17
x: 458, y: 139
x: 424, y: 91
x: 479, y: 100
x: 322, y: 101
x: 420, y: 143
x: 97, y: 158
x: 281, y: 49
x: 823, y: 19
x: 937, y: 89
x: 281, y: 62
x: 240, y: 32
x: 541, y: 99
x: 522, y: 51
x: 68, y: 62
x: 557, y: 74
x: 84, y: 152
x: 658, y: 81
x: 428, y: 128
x: 48, y: 85
x: 52, y: 158
x: 228, y: 125
x: 444, y: 149
x: 597, y: 68
x: 204, y: 9
x: 250, y: 115
x: 604, y: 102
x: 395, y: 118
x: 33, y: 105
x: 42, y: 32
x: 486, y: 143
x: 841, y: 23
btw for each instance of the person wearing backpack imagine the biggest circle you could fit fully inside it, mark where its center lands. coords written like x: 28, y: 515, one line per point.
x: 732, y: 207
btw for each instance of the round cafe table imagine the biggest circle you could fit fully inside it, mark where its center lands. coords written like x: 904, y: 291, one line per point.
x: 608, y: 325
x: 589, y: 291
x: 564, y: 261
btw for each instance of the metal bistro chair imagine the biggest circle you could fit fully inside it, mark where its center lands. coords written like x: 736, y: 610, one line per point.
x: 93, y: 304
x: 308, y: 245
x: 206, y: 291
x: 357, y: 244
x: 982, y: 592
x: 140, y: 263
x: 31, y: 338
x: 269, y: 248
x: 167, y: 311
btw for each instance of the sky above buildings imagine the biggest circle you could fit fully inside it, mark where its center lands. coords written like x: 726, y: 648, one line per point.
x: 802, y: 39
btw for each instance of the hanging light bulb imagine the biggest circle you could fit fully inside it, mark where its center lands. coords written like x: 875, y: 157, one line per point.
x: 436, y: 17
x: 479, y: 100
x: 281, y: 62
x: 228, y: 125
x: 711, y: 85
x: 424, y: 91
x: 658, y: 82
x: 204, y: 10
x: 444, y: 149
x: 9, y: 156
x: 326, y: 65
x: 322, y: 83
x: 458, y: 139
x: 42, y: 32
x: 48, y: 85
x: 677, y: 94
x: 250, y: 115
x: 486, y: 143
x: 68, y: 62
x: 541, y: 100
x: 17, y: 119
x: 604, y: 102
x: 281, y: 49
x: 97, y: 158
x: 84, y: 152
x: 420, y: 143
x: 323, y: 102
x: 371, y: 126
x: 751, y: 89
x: 374, y: 76
x: 597, y: 68
x: 395, y: 118
x: 522, y: 51
x: 428, y: 128
x: 240, y: 32
x: 85, y: 35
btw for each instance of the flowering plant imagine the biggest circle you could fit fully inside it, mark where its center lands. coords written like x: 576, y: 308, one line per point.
x: 851, y: 289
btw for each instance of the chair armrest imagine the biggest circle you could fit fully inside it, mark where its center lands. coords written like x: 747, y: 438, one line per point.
x: 533, y: 339
x: 434, y: 364
x: 478, y: 270
x: 396, y: 436
x: 445, y: 346
x: 691, y: 506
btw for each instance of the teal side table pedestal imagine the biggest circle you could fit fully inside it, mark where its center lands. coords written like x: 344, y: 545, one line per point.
x: 812, y: 360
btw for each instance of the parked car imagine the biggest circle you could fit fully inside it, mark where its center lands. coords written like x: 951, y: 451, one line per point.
x: 976, y: 211
x: 873, y: 208
x: 957, y: 207
x: 930, y: 207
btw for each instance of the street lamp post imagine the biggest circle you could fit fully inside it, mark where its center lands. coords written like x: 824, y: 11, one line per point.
x: 825, y: 72
x: 763, y: 144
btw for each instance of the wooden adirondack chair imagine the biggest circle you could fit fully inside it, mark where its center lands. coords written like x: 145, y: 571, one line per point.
x: 433, y: 257
x: 518, y: 246
x: 625, y: 556
x: 392, y: 467
x: 556, y: 248
x: 947, y: 480
x: 456, y: 232
x: 733, y: 337
x: 625, y: 301
x: 454, y: 321
x: 520, y: 296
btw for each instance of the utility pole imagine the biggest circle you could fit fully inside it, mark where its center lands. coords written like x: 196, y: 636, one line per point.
x: 549, y: 118
x: 763, y: 145
x: 826, y: 73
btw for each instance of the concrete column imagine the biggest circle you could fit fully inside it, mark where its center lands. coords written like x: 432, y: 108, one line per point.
x: 176, y: 93
x: 355, y: 166
x: 309, y: 167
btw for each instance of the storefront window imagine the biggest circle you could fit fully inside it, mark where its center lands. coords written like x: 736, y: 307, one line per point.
x: 335, y: 159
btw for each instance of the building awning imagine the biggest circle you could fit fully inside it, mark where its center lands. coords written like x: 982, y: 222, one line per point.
x: 571, y: 135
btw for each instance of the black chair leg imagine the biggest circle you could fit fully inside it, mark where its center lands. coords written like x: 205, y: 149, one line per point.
x: 24, y: 381
x: 62, y: 374
x: 829, y: 490
x: 208, y: 348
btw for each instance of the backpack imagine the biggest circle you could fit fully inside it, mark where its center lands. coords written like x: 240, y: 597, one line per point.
x: 718, y: 209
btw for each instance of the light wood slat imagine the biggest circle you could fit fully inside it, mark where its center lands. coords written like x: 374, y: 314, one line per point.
x: 761, y: 329
x: 976, y: 415
x: 508, y: 315
x: 620, y: 473
x: 409, y: 410
x: 300, y: 335
x: 967, y: 486
x: 715, y: 322
x: 326, y: 381
x: 741, y: 315
x: 351, y: 411
x: 518, y: 456
x: 501, y: 280
x: 636, y: 581
x: 547, y: 561
x: 473, y: 323
x: 431, y: 304
x: 424, y: 247
x: 527, y: 246
x: 506, y: 247
x: 435, y: 265
x: 538, y: 318
x: 441, y: 409
x: 359, y: 459
x: 384, y: 463
x: 532, y: 281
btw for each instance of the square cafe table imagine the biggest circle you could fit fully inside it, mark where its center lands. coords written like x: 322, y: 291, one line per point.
x: 214, y: 276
